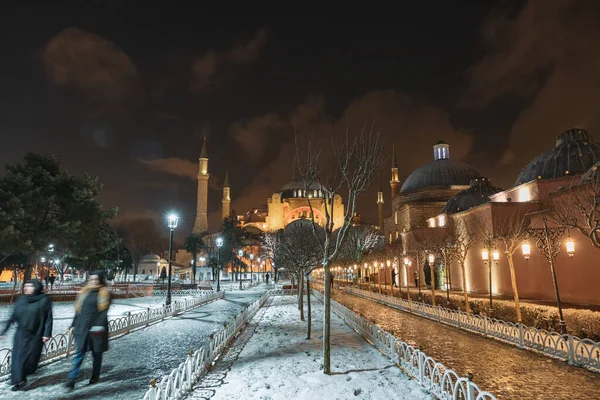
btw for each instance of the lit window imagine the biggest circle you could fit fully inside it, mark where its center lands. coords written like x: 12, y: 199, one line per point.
x: 390, y: 238
x: 431, y: 222
x: 442, y: 221
x: 397, y: 234
x: 396, y: 217
x: 524, y: 194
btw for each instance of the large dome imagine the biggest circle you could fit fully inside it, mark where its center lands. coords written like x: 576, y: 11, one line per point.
x: 478, y: 193
x: 575, y: 153
x: 441, y: 172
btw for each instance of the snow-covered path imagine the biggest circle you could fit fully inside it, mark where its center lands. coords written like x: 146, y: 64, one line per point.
x: 63, y: 312
x: 272, y: 360
x: 136, y: 358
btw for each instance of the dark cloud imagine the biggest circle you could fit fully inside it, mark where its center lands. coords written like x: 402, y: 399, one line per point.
x: 93, y: 65
x: 547, y: 53
x: 174, y: 166
x: 206, y: 68
x: 413, y: 125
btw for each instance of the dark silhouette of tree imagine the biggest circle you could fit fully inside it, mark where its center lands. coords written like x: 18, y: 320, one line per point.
x: 141, y: 237
x: 42, y: 204
x: 194, y: 244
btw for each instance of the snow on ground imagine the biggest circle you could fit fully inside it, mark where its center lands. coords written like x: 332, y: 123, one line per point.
x: 63, y: 312
x: 272, y: 360
x: 134, y: 359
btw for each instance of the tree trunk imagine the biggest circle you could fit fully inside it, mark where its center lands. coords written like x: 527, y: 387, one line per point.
x: 308, y: 316
x: 464, y: 282
x: 300, y: 294
x: 326, y: 322
x: 513, y: 280
x: 432, y: 273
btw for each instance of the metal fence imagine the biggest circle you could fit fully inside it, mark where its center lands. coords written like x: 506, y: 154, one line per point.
x: 440, y: 381
x: 579, y: 352
x: 62, y: 344
x: 181, y: 380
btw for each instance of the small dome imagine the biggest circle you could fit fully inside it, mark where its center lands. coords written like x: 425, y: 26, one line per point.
x: 575, y: 153
x: 478, y: 193
x: 150, y: 258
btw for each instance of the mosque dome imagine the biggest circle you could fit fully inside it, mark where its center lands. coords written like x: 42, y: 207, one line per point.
x: 479, y: 192
x: 575, y: 153
x: 441, y: 172
x: 150, y: 258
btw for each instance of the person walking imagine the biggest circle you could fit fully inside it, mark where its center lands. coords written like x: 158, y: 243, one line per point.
x: 394, y: 278
x: 90, y: 326
x: 267, y: 277
x: 33, y: 316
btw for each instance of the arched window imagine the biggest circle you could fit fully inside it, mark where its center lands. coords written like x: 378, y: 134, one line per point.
x: 299, y: 192
x: 390, y: 239
x: 315, y: 193
x: 295, y: 193
x: 396, y: 217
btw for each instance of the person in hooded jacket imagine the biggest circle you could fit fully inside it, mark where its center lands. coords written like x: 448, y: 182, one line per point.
x: 33, y: 316
x: 90, y: 326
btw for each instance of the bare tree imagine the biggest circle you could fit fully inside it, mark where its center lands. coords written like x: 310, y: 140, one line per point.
x: 356, y: 161
x: 463, y: 239
x: 509, y: 234
x: 578, y: 207
x: 423, y: 241
x: 302, y: 250
x: 141, y: 237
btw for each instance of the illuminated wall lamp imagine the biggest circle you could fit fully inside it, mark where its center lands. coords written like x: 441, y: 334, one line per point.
x: 526, y: 249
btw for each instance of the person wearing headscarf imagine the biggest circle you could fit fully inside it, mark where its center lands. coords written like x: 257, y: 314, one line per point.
x: 90, y: 326
x: 33, y: 316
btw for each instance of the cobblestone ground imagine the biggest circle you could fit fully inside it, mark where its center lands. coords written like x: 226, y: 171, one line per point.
x: 136, y: 358
x: 505, y: 371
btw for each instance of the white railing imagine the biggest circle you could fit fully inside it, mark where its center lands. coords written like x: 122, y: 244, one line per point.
x: 579, y: 352
x: 181, y: 380
x: 440, y: 381
x: 62, y: 344
x: 183, y: 292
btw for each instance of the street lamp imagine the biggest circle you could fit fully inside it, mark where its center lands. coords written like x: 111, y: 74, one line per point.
x: 219, y: 243
x: 570, y: 246
x: 548, y: 243
x: 485, y: 257
x: 172, y: 224
x: 251, y: 259
x: 240, y: 254
x: 201, y: 259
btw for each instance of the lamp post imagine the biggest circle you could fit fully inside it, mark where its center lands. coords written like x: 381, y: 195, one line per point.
x: 547, y: 241
x: 219, y: 243
x: 251, y: 259
x: 485, y: 257
x: 172, y: 224
x: 202, y: 259
x: 240, y: 254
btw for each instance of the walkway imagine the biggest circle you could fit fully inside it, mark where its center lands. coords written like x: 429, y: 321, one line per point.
x: 272, y: 360
x: 504, y: 370
x: 136, y: 358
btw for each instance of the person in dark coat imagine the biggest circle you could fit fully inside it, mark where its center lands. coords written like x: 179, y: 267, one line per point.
x: 394, y: 278
x: 33, y: 315
x: 90, y: 326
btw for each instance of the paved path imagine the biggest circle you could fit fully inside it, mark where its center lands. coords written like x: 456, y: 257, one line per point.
x: 136, y: 358
x: 272, y: 360
x: 504, y: 370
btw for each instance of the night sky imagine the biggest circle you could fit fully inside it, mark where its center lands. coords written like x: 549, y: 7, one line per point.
x: 126, y: 92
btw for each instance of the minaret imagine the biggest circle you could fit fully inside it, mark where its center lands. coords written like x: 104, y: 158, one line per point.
x: 380, y: 204
x: 395, y: 182
x: 201, y: 224
x: 226, y: 201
